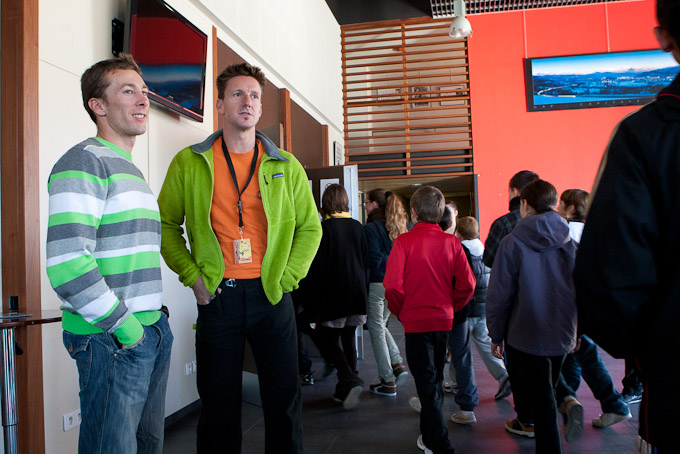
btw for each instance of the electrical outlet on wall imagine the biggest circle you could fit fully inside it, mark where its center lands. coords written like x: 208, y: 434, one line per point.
x: 71, y: 420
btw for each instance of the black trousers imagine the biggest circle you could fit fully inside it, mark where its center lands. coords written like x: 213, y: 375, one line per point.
x: 533, y: 380
x: 426, y: 355
x: 240, y: 313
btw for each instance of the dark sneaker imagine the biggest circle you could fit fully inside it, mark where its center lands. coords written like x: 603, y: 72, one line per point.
x: 384, y: 388
x: 516, y: 427
x: 451, y: 388
x: 307, y: 379
x: 573, y: 418
x: 400, y: 373
x: 633, y: 398
x: 504, y: 389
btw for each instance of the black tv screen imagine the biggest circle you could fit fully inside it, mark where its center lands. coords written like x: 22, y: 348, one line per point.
x: 597, y: 80
x: 171, y: 53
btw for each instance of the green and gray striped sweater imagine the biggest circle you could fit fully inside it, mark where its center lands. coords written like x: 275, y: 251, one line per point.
x: 103, y: 242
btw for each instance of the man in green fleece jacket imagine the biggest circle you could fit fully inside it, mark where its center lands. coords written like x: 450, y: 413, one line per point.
x: 103, y: 260
x: 253, y: 231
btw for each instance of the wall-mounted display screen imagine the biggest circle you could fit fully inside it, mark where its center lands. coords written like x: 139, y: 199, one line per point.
x: 171, y: 53
x: 597, y: 80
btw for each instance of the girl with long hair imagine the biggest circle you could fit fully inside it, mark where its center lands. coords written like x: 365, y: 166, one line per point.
x: 387, y: 219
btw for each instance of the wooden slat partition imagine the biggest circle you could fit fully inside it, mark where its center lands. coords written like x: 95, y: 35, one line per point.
x: 406, y: 100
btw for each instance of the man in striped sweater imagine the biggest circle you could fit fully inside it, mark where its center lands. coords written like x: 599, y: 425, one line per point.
x: 103, y: 260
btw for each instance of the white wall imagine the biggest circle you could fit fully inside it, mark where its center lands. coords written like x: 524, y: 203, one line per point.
x: 296, y: 42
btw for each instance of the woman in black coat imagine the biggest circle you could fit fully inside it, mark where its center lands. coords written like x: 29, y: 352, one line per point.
x: 339, y: 275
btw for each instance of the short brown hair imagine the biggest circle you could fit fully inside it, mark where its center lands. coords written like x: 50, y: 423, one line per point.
x: 239, y: 69
x: 95, y: 80
x: 428, y: 204
x: 468, y: 228
x: 540, y: 195
x: 334, y: 200
x: 578, y: 198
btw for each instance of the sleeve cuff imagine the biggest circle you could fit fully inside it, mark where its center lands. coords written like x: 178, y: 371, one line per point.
x: 130, y: 331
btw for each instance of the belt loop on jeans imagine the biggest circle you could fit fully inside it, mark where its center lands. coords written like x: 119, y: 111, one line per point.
x: 229, y: 283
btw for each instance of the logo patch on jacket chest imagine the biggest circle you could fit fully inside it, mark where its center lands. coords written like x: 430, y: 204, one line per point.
x: 277, y: 175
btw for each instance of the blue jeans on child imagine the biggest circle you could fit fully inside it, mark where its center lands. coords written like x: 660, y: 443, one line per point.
x: 122, y: 391
x: 586, y: 361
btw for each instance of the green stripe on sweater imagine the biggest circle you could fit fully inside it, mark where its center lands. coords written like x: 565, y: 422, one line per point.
x: 139, y: 213
x: 69, y: 270
x: 129, y: 263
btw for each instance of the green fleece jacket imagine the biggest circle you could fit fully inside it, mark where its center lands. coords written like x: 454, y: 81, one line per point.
x: 293, y: 232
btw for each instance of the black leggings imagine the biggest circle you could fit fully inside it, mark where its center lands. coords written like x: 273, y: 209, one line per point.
x: 345, y: 358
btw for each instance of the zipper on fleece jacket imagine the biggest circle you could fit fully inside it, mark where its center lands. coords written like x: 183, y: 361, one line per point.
x: 212, y: 193
x: 264, y: 191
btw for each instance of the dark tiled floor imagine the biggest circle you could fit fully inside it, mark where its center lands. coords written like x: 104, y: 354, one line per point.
x: 387, y: 425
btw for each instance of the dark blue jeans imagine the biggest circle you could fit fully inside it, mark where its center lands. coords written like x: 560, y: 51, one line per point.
x: 122, y: 391
x: 467, y: 397
x: 426, y: 355
x: 586, y: 362
x: 533, y: 380
x: 240, y: 313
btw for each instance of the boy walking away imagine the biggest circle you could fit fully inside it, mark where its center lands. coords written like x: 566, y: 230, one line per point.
x: 427, y: 278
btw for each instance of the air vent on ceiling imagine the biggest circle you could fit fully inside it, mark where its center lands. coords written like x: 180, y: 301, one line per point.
x: 444, y: 8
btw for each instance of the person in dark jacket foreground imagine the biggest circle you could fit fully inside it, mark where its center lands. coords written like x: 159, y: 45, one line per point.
x: 627, y: 271
x: 531, y: 311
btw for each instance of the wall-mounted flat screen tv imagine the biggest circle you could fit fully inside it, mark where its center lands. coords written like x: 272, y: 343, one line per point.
x: 597, y: 80
x: 171, y: 53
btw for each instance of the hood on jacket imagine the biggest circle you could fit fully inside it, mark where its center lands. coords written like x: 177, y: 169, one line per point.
x: 475, y: 246
x: 543, y: 231
x: 270, y: 147
x: 669, y: 97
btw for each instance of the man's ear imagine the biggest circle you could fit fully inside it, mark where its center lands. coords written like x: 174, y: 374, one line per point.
x: 219, y: 105
x: 97, y: 106
x: 666, y: 41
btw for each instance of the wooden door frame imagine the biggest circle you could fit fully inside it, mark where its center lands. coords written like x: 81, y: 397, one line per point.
x: 20, y: 197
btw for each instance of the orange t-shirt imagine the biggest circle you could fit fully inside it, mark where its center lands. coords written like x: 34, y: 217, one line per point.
x: 224, y: 211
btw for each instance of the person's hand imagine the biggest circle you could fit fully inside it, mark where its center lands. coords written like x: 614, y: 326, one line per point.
x: 578, y: 345
x: 201, y: 293
x: 497, y: 350
x: 130, y: 346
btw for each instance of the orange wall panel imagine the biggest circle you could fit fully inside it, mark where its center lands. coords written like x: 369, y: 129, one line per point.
x: 563, y: 146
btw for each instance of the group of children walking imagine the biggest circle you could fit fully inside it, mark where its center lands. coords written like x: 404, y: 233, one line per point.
x: 522, y: 312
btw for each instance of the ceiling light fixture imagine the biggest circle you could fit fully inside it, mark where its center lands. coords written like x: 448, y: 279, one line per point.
x: 460, y: 27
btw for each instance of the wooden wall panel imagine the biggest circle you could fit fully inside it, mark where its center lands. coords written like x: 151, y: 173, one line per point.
x: 306, y: 137
x: 20, y: 201
x: 406, y: 100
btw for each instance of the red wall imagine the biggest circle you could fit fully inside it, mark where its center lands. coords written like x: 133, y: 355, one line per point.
x: 564, y: 146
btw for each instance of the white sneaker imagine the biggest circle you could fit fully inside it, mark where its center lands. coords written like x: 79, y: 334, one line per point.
x: 414, y: 402
x: 608, y: 419
x: 352, y: 399
x: 642, y: 446
x: 464, y: 417
x: 422, y: 446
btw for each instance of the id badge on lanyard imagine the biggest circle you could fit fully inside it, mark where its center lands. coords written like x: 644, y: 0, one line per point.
x: 243, y: 252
